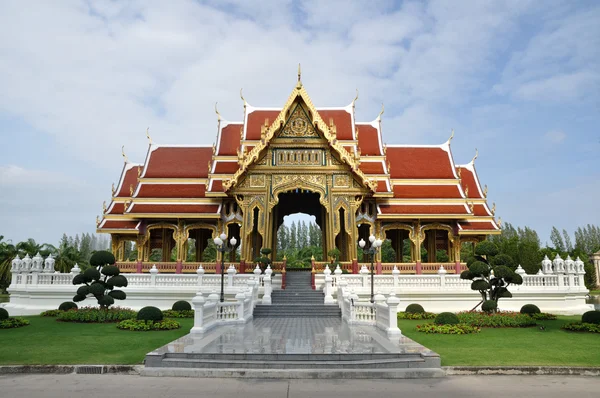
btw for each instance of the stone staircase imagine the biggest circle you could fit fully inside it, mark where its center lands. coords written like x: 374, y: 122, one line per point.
x: 297, y: 300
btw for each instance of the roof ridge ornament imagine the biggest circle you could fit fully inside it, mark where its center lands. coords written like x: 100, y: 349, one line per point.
x: 485, y: 191
x: 123, y: 154
x: 112, y: 189
x: 299, y: 84
x: 451, y: 136
x: 148, y: 135
x: 380, y: 113
x: 217, y: 112
x: 355, y: 99
x: 475, y: 157
x: 243, y: 99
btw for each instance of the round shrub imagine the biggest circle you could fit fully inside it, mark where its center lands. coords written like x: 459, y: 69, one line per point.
x: 3, y: 314
x: 181, y: 306
x: 67, y: 305
x: 486, y: 248
x: 101, y: 258
x: 489, y: 306
x: 446, y: 318
x: 480, y: 284
x: 91, y: 274
x: 591, y: 317
x: 118, y: 294
x: 415, y: 309
x: 96, y: 289
x: 150, y: 314
x: 83, y: 290
x: 479, y: 268
x: 117, y: 281
x: 530, y: 309
x: 78, y: 279
x: 110, y: 270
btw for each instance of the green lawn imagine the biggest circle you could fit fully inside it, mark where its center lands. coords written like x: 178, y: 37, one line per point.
x: 510, y: 346
x: 594, y: 292
x: 46, y: 341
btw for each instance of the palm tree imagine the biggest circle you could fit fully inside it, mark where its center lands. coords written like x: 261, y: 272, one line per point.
x: 8, y: 252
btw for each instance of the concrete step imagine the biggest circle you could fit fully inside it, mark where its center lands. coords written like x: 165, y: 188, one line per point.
x: 394, y: 363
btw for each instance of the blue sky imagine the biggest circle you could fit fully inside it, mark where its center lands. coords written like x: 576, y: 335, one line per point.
x: 519, y: 80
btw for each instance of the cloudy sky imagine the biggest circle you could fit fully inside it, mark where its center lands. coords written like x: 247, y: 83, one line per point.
x: 519, y: 80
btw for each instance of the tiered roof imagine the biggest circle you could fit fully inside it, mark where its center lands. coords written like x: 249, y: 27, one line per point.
x: 409, y: 181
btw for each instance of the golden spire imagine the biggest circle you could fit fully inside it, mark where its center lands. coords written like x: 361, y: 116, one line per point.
x: 148, y: 135
x: 217, y: 112
x: 476, y: 155
x: 112, y: 188
x: 123, y: 153
x: 299, y: 77
x: 380, y: 113
x: 242, y: 97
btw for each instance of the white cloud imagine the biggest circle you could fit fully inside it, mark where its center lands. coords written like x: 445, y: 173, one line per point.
x: 555, y: 136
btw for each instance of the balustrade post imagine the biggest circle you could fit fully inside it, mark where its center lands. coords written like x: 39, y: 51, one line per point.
x: 328, y: 288
x: 393, y: 303
x: 580, y: 269
x: 559, y: 269
x: 230, y: 274
x: 153, y: 272
x: 267, y: 296
x: 442, y: 274
x: 240, y: 297
x: 179, y: 267
x: 395, y: 274
x: 354, y: 266
x: 200, y: 273
x: 138, y: 267
x: 378, y: 268
x: 198, y: 302
x: 312, y: 273
x: 418, y: 268
x: 283, y: 272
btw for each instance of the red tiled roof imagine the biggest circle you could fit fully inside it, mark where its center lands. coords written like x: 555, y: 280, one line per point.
x: 171, y: 191
x: 217, y: 186
x: 139, y: 208
x: 342, y: 121
x: 226, y: 167
x: 477, y: 226
x: 479, y: 210
x: 371, y: 167
x: 382, y: 187
x: 256, y: 119
x: 129, y: 179
x: 468, y: 180
x: 230, y: 140
x: 419, y: 162
x: 422, y: 209
x: 368, y: 140
x: 117, y: 208
x: 178, y: 162
x: 426, y: 191
x: 118, y: 224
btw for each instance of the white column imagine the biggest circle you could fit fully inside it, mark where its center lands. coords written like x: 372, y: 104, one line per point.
x: 198, y: 303
x: 200, y: 273
x: 153, y: 272
x: 392, y: 303
x: 230, y: 274
x: 267, y: 296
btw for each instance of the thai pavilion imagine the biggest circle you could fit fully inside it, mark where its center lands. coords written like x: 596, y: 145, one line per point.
x: 298, y: 158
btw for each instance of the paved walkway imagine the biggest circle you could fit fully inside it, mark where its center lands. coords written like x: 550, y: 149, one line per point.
x: 293, y: 336
x: 102, y: 386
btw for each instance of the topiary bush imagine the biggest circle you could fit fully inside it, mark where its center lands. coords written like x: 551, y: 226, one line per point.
x: 3, y: 314
x: 143, y: 326
x: 178, y: 314
x: 96, y: 315
x: 414, y: 309
x: 530, y: 309
x: 459, y: 328
x: 591, y: 317
x: 100, y: 280
x: 67, y: 305
x: 489, y: 306
x: 181, y: 306
x: 446, y: 318
x: 150, y: 314
x: 10, y: 323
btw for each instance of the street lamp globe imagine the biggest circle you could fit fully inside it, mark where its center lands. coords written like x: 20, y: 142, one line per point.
x: 223, y: 237
x: 372, y: 238
x: 232, y: 241
x: 218, y: 241
x: 362, y: 243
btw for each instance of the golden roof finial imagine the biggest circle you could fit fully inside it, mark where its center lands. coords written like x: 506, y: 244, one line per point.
x: 381, y: 113
x: 451, y: 136
x: 471, y: 207
x: 112, y: 189
x: 467, y: 192
x: 475, y: 157
x: 500, y: 222
x: 493, y: 208
x: 123, y: 153
x: 148, y: 135
x: 97, y: 221
x: 217, y: 112
x: 242, y: 97
x: 131, y: 190
x: 485, y: 191
x: 355, y: 99
x: 459, y: 172
x: 139, y: 172
x: 104, y: 207
x: 299, y: 77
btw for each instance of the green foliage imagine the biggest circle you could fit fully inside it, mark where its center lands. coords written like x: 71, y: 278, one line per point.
x: 78, y: 279
x: 486, y: 248
x: 459, y: 328
x: 11, y: 323
x: 149, y: 313
x: 479, y: 269
x: 480, y: 284
x: 489, y: 306
x: 416, y: 315
x: 83, y: 290
x: 582, y: 327
x: 466, y: 274
x: 51, y: 313
x: 96, y: 289
x: 3, y: 314
x: 110, y: 270
x: 543, y: 316
x: 178, y: 314
x: 102, y: 258
x: 334, y: 253
x: 181, y: 305
x: 503, y: 259
x: 530, y: 309
x: 266, y: 251
x: 78, y: 297
x: 117, y: 281
x: 91, y: 274
x: 506, y: 319
x: 591, y: 317
x: 117, y: 294
x: 96, y: 315
x: 414, y: 308
x: 144, y: 326
x: 67, y: 305
x: 446, y: 318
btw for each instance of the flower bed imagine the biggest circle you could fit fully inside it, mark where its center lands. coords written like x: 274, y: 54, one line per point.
x: 582, y: 327
x: 52, y: 313
x: 460, y: 328
x: 11, y: 323
x: 144, y: 326
x: 501, y: 319
x: 178, y: 314
x: 416, y: 315
x: 96, y: 315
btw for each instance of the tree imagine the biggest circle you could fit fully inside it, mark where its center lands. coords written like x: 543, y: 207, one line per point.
x: 100, y: 280
x: 568, y: 244
x: 8, y: 252
x: 557, y: 240
x: 293, y: 237
x: 491, y: 287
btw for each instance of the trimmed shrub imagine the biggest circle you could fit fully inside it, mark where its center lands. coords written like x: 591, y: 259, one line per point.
x: 181, y: 306
x: 446, y: 318
x: 543, y: 316
x: 143, y: 326
x: 489, y: 306
x: 416, y: 315
x: 102, y: 258
x: 414, y: 309
x: 486, y: 248
x: 10, y: 323
x: 110, y: 270
x: 506, y: 319
x: 480, y: 284
x: 150, y: 314
x: 530, y: 309
x: 591, y: 317
x: 3, y: 314
x: 51, y: 313
x: 581, y: 327
x: 459, y: 328
x: 178, y: 314
x: 67, y: 305
x: 96, y: 315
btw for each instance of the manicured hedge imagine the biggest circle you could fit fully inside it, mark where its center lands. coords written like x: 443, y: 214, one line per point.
x: 96, y: 315
x: 144, y: 326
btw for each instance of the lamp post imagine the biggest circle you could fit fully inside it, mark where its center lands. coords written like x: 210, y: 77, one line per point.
x: 375, y: 245
x: 222, y: 247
